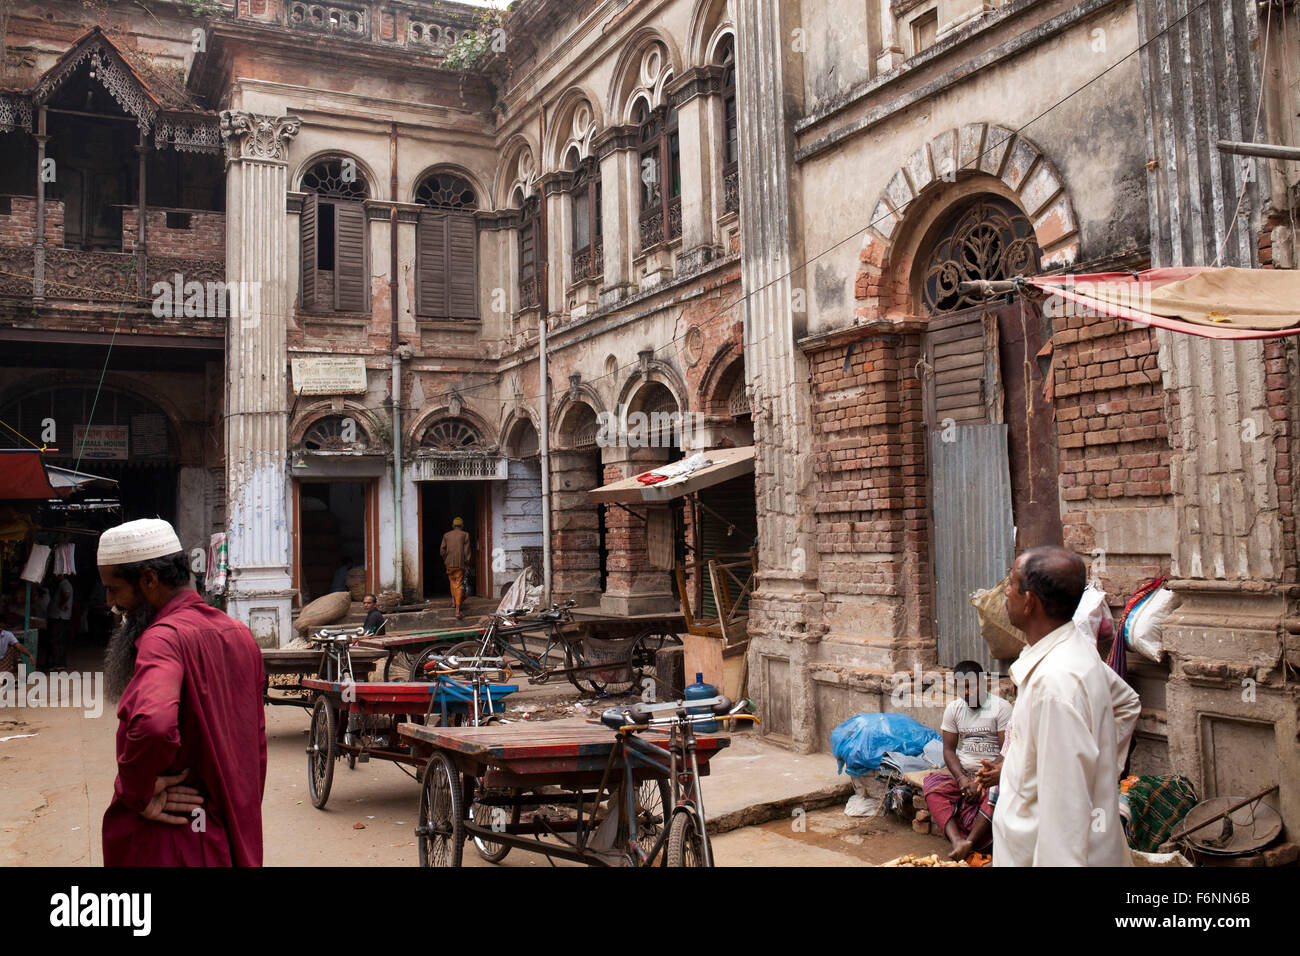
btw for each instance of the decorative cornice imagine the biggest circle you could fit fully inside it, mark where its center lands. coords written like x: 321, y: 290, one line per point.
x: 500, y: 219
x: 698, y: 81
x: 614, y: 139
x: 560, y: 181
x: 257, y: 136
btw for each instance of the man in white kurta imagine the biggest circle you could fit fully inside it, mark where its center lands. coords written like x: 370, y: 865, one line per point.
x: 1058, y: 803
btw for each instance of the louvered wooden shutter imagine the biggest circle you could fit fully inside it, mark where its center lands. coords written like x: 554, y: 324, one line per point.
x: 431, y: 265
x: 462, y: 240
x: 350, y: 280
x: 308, y: 241
x: 964, y: 376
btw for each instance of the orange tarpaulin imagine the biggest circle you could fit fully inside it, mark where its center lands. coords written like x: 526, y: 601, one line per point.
x: 23, y: 478
x: 1227, y: 303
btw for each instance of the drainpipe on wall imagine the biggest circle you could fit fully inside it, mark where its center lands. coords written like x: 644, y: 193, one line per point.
x: 543, y: 298
x: 546, y: 465
x: 394, y: 288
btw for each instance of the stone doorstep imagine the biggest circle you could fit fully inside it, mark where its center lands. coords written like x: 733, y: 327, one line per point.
x: 753, y: 781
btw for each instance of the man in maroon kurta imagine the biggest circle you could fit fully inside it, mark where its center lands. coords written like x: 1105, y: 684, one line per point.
x: 191, y: 738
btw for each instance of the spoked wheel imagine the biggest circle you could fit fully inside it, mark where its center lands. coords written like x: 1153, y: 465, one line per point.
x: 441, y: 830
x: 644, y: 650
x: 653, y: 804
x: 322, y: 748
x: 399, y: 665
x: 485, y: 816
x: 617, y: 678
x: 685, y: 846
x: 416, y: 670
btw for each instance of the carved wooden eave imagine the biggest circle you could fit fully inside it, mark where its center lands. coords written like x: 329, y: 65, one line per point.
x: 188, y: 130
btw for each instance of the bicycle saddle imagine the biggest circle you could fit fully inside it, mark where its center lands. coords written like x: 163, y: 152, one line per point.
x: 550, y: 616
x: 617, y: 717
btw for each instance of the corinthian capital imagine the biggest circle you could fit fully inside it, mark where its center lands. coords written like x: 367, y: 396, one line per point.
x: 255, y: 136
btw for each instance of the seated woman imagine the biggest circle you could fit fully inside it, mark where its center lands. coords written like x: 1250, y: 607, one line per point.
x: 974, y: 727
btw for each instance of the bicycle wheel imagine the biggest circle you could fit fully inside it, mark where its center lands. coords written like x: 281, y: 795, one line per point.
x: 643, y: 664
x: 653, y: 805
x: 321, y: 751
x: 685, y: 845
x: 485, y: 816
x: 441, y: 830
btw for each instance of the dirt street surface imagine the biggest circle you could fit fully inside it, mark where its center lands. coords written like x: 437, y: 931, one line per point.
x: 58, y: 783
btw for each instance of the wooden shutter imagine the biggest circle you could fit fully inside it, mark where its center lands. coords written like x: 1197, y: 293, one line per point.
x: 462, y: 268
x: 964, y: 375
x: 307, y: 224
x: 350, y: 279
x: 431, y: 265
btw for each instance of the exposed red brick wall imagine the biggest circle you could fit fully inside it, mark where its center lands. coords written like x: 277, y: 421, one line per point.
x: 1278, y: 383
x: 19, y: 227
x: 1112, y: 433
x: 869, y: 459
x: 204, y: 239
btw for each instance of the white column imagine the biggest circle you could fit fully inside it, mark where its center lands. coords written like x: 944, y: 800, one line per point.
x: 256, y: 385
x: 696, y: 94
x: 618, y: 218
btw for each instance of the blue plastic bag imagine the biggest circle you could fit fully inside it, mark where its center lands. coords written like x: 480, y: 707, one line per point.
x: 860, y: 742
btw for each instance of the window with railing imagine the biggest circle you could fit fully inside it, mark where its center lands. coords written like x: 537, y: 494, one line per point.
x: 588, y: 238
x: 530, y: 234
x: 661, y: 174
x: 726, y: 58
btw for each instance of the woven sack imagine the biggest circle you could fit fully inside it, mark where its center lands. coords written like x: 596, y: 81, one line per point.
x: 1003, y: 639
x: 323, y: 611
x: 357, y: 584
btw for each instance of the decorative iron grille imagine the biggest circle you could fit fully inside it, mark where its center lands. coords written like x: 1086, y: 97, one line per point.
x: 446, y: 191
x: 327, y: 179
x: 332, y: 433
x: 992, y: 240
x: 451, y: 434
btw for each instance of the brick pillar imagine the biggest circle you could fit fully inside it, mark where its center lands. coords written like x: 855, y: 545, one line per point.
x: 575, y: 535
x: 632, y: 586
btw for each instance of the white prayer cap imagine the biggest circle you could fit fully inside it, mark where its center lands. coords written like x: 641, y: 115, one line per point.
x: 135, y: 541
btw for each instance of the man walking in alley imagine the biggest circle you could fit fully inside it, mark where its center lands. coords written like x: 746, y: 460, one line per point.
x: 191, y: 736
x: 456, y: 557
x: 1058, y: 803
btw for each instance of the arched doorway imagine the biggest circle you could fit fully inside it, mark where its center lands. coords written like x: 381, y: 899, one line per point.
x: 517, y: 508
x: 992, y: 438
x: 456, y: 468
x: 578, y: 531
x: 110, y: 432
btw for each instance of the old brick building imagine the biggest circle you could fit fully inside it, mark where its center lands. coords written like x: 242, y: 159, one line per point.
x: 753, y: 212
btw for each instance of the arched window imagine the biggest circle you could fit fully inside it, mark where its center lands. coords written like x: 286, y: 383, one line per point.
x: 446, y: 285
x: 333, y: 247
x: 986, y: 239
x: 451, y: 434
x: 661, y: 174
x: 726, y: 58
x: 530, y: 246
x: 336, y: 433
x: 588, y: 239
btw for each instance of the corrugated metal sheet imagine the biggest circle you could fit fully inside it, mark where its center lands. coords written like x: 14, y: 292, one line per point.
x: 974, y: 532
x: 1200, y: 79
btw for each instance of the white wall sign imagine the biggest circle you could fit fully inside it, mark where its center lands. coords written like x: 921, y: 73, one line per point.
x: 330, y: 376
x: 101, y: 442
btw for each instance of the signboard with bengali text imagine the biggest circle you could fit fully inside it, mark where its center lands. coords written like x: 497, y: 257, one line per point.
x: 330, y: 376
x: 101, y: 442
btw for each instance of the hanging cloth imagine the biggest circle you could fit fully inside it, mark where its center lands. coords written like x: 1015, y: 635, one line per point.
x: 37, y: 562
x: 64, y: 561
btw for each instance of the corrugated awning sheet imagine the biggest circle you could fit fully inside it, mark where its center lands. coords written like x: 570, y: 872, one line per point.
x: 1228, y: 303
x: 727, y: 463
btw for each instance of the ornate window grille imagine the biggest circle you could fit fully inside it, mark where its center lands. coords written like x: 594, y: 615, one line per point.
x: 334, y: 433
x: 738, y: 401
x: 329, y: 178
x: 991, y: 239
x: 446, y: 191
x: 451, y: 434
